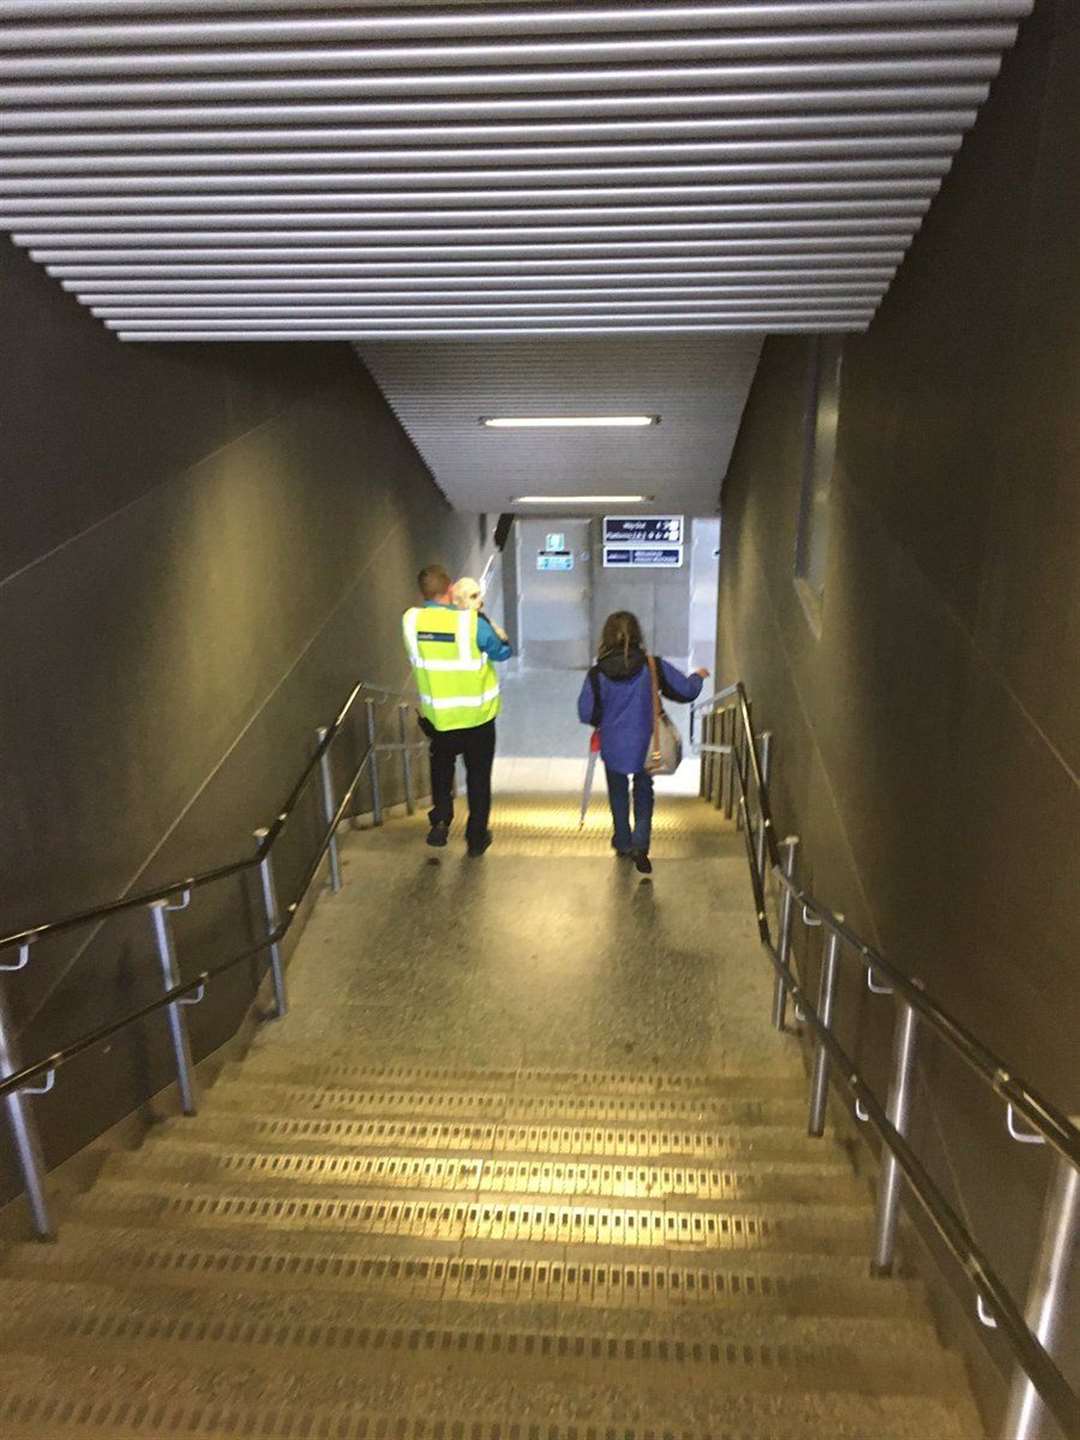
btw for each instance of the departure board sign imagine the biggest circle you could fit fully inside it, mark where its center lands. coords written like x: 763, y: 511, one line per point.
x: 643, y: 530
x: 658, y: 557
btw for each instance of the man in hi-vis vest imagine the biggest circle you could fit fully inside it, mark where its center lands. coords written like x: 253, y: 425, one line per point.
x: 451, y: 652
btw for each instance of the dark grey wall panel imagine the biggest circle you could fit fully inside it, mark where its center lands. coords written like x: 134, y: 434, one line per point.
x: 928, y: 744
x: 203, y: 549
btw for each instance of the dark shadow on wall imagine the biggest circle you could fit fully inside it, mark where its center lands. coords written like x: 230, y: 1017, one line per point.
x: 928, y: 744
x: 203, y: 548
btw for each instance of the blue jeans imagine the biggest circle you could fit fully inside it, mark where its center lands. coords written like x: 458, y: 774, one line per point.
x: 618, y: 787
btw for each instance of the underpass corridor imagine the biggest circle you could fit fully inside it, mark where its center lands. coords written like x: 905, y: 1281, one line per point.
x: 524, y: 1161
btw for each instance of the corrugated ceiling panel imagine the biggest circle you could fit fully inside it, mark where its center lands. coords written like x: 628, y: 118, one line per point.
x: 696, y: 384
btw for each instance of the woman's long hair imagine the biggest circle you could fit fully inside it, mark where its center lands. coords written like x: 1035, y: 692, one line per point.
x: 622, y: 631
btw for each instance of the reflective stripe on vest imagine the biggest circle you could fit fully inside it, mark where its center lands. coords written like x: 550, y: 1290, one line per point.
x: 456, y: 681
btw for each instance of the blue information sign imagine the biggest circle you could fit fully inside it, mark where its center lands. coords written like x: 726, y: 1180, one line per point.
x: 640, y: 557
x: 643, y: 529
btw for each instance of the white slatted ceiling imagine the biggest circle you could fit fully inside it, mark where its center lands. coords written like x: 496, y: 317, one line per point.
x: 232, y: 169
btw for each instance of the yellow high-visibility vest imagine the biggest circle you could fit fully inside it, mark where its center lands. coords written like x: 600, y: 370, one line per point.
x: 457, y: 682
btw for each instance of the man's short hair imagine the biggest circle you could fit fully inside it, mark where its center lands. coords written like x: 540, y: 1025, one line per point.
x: 433, y: 582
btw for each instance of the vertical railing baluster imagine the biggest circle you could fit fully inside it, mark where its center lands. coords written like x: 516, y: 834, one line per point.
x: 373, y: 764
x: 787, y: 916
x: 703, y: 769
x: 761, y: 851
x: 716, y: 784
x: 270, y: 909
x: 329, y: 807
x: 406, y: 760
x: 898, y: 1110
x: 178, y: 1031
x: 24, y: 1132
x: 819, y: 1082
x: 730, y: 728
x: 1048, y: 1295
x: 742, y: 759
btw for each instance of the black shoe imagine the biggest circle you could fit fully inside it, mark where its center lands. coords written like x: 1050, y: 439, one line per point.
x: 642, y: 863
x: 622, y: 854
x: 477, y: 847
x: 439, y: 833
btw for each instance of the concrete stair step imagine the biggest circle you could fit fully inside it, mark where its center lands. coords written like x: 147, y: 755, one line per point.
x: 274, y: 1057
x: 251, y: 1094
x: 142, y: 1393
x: 311, y: 1169
x: 675, y: 1223
x: 688, y: 1144
x: 333, y: 1334
x: 471, y: 1271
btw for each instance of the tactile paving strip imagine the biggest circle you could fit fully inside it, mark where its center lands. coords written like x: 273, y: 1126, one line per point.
x: 569, y: 1140
x: 560, y: 816
x: 492, y: 1346
x: 434, y: 1277
x: 545, y: 1224
x: 526, y: 1109
x: 492, y: 1176
x: 597, y: 1082
x: 148, y: 1419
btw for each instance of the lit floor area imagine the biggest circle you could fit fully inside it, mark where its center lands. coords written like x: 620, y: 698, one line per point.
x: 542, y: 745
x: 548, y: 951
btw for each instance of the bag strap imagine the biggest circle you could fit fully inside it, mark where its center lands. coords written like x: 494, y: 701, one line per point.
x: 594, y: 677
x: 655, y: 706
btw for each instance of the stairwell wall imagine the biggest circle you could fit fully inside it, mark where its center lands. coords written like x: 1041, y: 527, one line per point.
x: 928, y: 740
x: 203, y: 548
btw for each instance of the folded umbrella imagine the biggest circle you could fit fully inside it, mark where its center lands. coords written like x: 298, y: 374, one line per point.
x: 590, y: 771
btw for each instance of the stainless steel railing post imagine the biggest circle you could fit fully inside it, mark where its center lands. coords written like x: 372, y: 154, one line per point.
x: 898, y: 1110
x: 787, y: 916
x: 406, y: 760
x: 270, y: 908
x: 739, y: 760
x: 178, y: 1031
x: 731, y: 720
x: 703, y: 769
x: 716, y: 779
x: 1047, y: 1299
x: 759, y: 846
x: 329, y: 808
x: 819, y: 1081
x: 24, y: 1131
x: 373, y: 765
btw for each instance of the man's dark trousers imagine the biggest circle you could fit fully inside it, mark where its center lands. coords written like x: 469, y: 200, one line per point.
x: 477, y: 744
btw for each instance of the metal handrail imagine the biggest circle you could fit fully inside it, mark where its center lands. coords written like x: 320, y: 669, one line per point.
x: 1045, y: 1117
x: 16, y: 1088
x: 143, y: 898
x: 21, y: 1078
x: 1040, y: 1373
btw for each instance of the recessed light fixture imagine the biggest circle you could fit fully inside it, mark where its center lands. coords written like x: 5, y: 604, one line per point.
x: 580, y: 499
x: 568, y: 422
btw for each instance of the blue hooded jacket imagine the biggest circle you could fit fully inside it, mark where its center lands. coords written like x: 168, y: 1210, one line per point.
x: 626, y: 713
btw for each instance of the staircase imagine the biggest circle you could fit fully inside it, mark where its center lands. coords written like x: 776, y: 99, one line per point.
x: 414, y: 1251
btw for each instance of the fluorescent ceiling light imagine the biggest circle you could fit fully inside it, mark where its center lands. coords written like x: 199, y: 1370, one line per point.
x: 580, y: 499
x: 567, y: 422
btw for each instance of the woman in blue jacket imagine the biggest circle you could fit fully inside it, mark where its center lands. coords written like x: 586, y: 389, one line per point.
x: 617, y: 697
